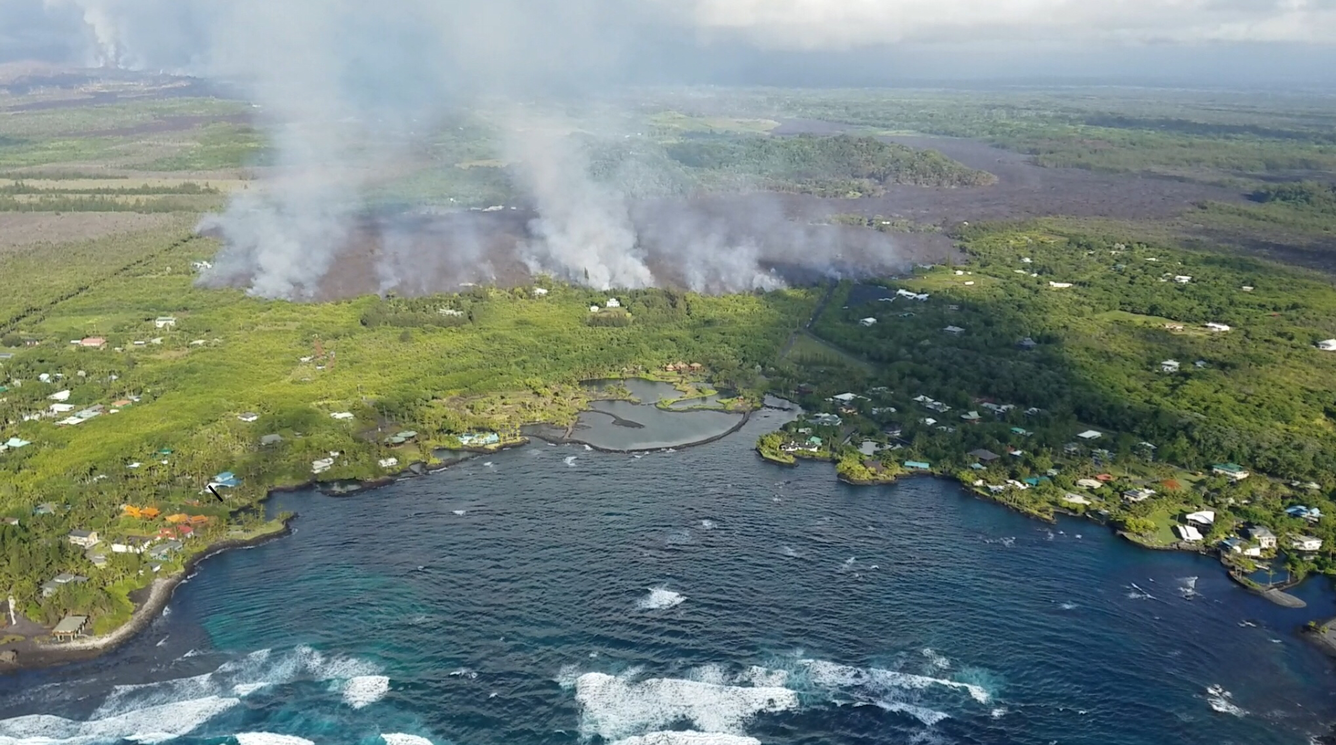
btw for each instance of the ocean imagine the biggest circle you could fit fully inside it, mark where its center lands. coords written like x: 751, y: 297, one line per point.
x: 557, y: 594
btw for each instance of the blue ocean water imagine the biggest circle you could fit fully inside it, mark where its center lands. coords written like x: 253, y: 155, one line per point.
x: 552, y: 594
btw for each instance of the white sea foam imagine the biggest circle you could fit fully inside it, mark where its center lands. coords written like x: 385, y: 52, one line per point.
x: 269, y: 738
x: 245, y: 689
x: 937, y: 661
x: 763, y: 677
x: 569, y: 460
x: 616, y: 708
x: 660, y: 598
x: 922, y: 713
x: 714, y: 674
x: 460, y: 513
x: 825, y: 674
x: 688, y: 738
x: 1219, y: 700
x: 464, y: 672
x: 999, y: 712
x: 567, y: 676
x: 365, y: 690
x: 399, y: 738
x: 707, y: 524
x: 1068, y: 606
x: 148, y: 725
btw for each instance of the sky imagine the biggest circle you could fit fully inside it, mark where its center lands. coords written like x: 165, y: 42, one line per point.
x: 808, y: 42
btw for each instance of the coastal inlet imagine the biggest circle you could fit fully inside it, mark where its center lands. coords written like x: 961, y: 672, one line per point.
x: 559, y: 594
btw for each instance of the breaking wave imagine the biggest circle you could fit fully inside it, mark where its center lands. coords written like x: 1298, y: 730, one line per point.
x: 688, y: 738
x: 268, y: 738
x: 660, y: 598
x: 150, y: 713
x: 1219, y: 700
x: 399, y: 738
x: 365, y: 690
x: 616, y: 708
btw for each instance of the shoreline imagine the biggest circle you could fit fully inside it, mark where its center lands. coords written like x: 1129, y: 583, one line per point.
x: 33, y: 655
x: 568, y: 440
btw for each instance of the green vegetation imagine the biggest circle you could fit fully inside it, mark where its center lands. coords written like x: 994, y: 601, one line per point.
x: 1088, y: 354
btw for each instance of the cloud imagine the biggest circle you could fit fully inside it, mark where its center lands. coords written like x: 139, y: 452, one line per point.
x: 843, y: 24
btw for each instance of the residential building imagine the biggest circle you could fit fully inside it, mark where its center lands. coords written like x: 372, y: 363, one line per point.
x: 1077, y: 499
x: 984, y: 456
x: 1327, y: 346
x: 389, y: 462
x: 1138, y: 495
x: 1060, y: 285
x: 1217, y: 327
x: 84, y: 538
x: 1232, y: 471
x: 917, y: 465
x: 93, y: 342
x: 1204, y: 518
x: 1090, y: 434
x: 322, y: 465
x: 165, y: 322
x: 249, y: 417
x: 51, y: 586
x: 69, y: 628
x: 954, y: 330
x: 1089, y: 484
x: 867, y: 322
x: 1306, y: 543
x: 540, y: 292
x: 1188, y: 533
x: 614, y: 303
x: 270, y: 440
x: 1263, y: 536
x: 1027, y: 343
x: 971, y: 416
x: 1169, y: 366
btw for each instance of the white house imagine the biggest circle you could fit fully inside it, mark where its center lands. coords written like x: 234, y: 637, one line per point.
x: 594, y: 309
x: 1059, y: 285
x: 1182, y: 279
x: 84, y: 538
x: 1264, y: 537
x: 954, y: 330
x: 61, y: 408
x: 540, y: 292
x: 1188, y: 533
x: 1090, y: 434
x: 1138, y: 495
x: 867, y: 322
x: 343, y: 416
x: 614, y: 303
x: 389, y: 462
x: 1089, y: 484
x: 845, y: 398
x: 1327, y: 346
x: 248, y: 417
x: 60, y: 396
x: 1305, y: 543
x: 1204, y: 518
x: 1169, y: 366
x: 322, y: 465
x: 1217, y: 327
x: 165, y: 322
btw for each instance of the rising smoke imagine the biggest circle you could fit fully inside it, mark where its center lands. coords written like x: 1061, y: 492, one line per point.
x: 349, y: 92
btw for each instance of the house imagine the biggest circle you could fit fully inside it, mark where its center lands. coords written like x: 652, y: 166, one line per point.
x: 1027, y: 343
x: 52, y: 586
x: 540, y: 292
x: 1235, y: 545
x: 1021, y: 431
x: 954, y: 330
x: 164, y: 550
x: 845, y: 398
x: 929, y: 421
x: 1204, y: 518
x: 1218, y: 328
x: 1188, y: 533
x: 226, y: 479
x: 1138, y: 495
x: 69, y: 628
x: 1077, y: 499
x: 917, y: 465
x: 1263, y: 536
x: 1232, y: 471
x: 1060, y: 285
x: 1090, y: 434
x: 84, y: 538
x: 867, y: 322
x: 388, y: 462
x: 343, y: 416
x: 1327, y: 346
x: 165, y: 322
x: 15, y: 443
x: 984, y: 456
x: 826, y: 420
x: 594, y: 309
x: 1297, y: 510
x: 1089, y: 484
x: 131, y: 545
x: 271, y: 440
x: 972, y: 416
x: 59, y: 396
x: 614, y: 303
x: 61, y: 408
x: 473, y: 439
x: 45, y: 508
x: 1305, y: 543
x: 1021, y: 485
x: 1182, y: 279
x: 96, y: 557
x: 322, y: 465
x: 1169, y: 366
x: 93, y: 342
x: 249, y: 417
